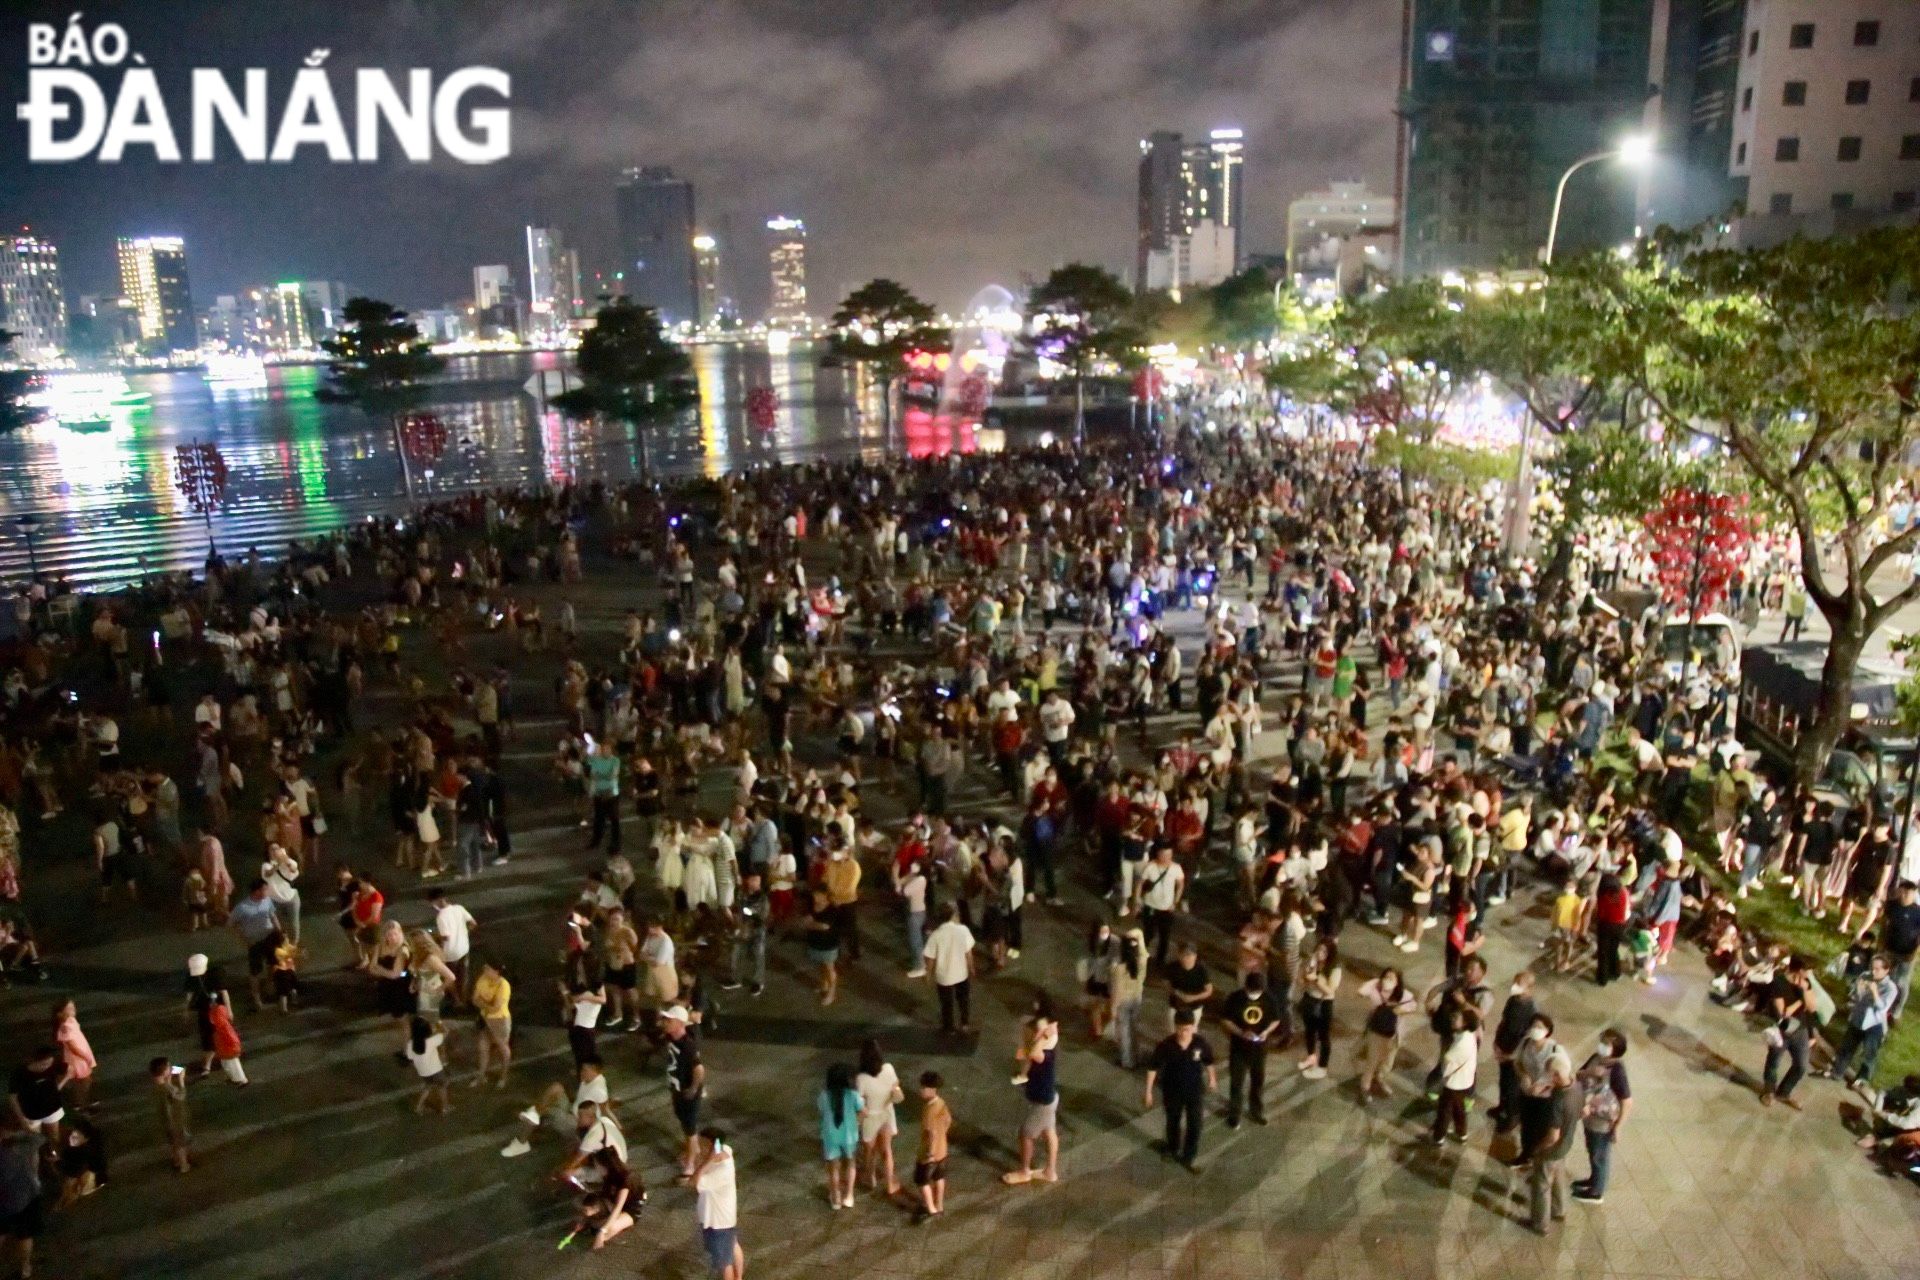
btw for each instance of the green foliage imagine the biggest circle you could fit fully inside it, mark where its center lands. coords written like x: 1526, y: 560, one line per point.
x: 1242, y: 312
x: 14, y: 385
x: 378, y: 359
x: 882, y: 321
x: 1086, y: 315
x: 629, y: 370
x: 1186, y: 322
x: 1443, y: 465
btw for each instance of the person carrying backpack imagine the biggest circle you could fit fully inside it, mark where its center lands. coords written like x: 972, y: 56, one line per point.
x: 1606, y: 1099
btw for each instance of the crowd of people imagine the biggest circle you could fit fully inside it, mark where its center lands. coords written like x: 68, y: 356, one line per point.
x: 1217, y: 703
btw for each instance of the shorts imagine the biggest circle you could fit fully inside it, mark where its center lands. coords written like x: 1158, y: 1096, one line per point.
x: 1042, y: 1119
x: 499, y: 1030
x: 841, y: 1146
x: 118, y: 867
x: 663, y: 984
x: 872, y: 1125
x: 584, y: 1043
x: 437, y: 1078
x: 687, y: 1112
x: 626, y: 977
x: 29, y: 1222
x: 823, y: 958
x: 260, y: 954
x: 720, y: 1243
x: 928, y: 1172
x: 48, y: 1120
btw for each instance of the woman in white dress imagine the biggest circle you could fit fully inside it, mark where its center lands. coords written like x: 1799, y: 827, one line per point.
x: 878, y: 1085
x: 669, y: 860
x: 702, y: 884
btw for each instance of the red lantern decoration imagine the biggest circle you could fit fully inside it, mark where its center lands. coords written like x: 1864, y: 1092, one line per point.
x: 761, y: 408
x: 423, y: 436
x: 974, y: 394
x: 1700, y: 540
x: 200, y: 473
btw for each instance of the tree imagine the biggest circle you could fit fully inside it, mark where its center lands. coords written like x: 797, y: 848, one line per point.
x: 1394, y: 362
x: 877, y: 326
x: 1243, y: 311
x: 1559, y: 350
x: 630, y: 371
x: 379, y: 362
x: 15, y: 413
x: 1801, y: 362
x: 1082, y: 315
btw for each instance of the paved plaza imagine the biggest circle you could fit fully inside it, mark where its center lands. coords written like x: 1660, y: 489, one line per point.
x: 321, y: 1168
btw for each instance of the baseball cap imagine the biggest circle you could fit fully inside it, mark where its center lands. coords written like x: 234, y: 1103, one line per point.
x: 677, y: 1013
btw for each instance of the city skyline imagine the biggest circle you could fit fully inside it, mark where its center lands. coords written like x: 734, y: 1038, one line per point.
x: 1012, y: 147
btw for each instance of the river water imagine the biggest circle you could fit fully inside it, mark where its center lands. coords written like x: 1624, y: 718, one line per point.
x: 104, y: 497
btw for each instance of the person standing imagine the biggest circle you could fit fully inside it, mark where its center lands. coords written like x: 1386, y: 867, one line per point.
x: 1459, y: 1066
x: 1790, y: 1037
x: 1162, y: 888
x: 878, y: 1085
x: 170, y: 1103
x: 1247, y: 1018
x: 1516, y: 1015
x: 949, y: 962
x: 1873, y: 994
x: 842, y: 881
x: 453, y: 927
x: 686, y: 1082
x: 1606, y: 1097
x: 716, y: 1205
x: 492, y: 999
x: 1612, y: 907
x: 1183, y: 1066
x: 750, y: 915
x: 930, y: 1166
x: 258, y: 924
x: 839, y: 1107
x: 204, y: 991
x: 281, y: 871
x: 1900, y: 939
x: 603, y: 790
x: 1547, y: 1158
x: 78, y: 1055
x: 23, y: 1213
x: 1042, y: 1091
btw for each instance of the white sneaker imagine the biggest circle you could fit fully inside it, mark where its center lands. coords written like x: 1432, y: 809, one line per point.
x: 1013, y: 953
x: 917, y: 973
x: 518, y: 1147
x: 531, y: 1116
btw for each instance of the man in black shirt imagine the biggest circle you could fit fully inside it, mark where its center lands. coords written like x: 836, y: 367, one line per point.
x: 1818, y: 840
x: 1516, y: 1015
x: 1247, y: 1018
x: 686, y: 1079
x: 1759, y: 831
x: 1188, y: 986
x: 1183, y: 1066
x: 34, y: 1091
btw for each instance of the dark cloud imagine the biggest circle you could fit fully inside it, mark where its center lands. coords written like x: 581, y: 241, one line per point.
x: 948, y: 144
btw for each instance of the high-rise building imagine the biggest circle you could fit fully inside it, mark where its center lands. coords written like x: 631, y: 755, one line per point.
x: 1339, y: 238
x: 706, y: 270
x: 32, y: 304
x: 1500, y: 98
x: 1826, y: 134
x: 326, y: 306
x: 1182, y: 185
x: 654, y: 212
x: 492, y: 285
x: 553, y: 281
x: 1696, y: 63
x: 153, y: 276
x: 286, y: 321
x: 787, y: 258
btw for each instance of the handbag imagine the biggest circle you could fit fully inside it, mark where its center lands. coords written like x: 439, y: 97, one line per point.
x: 319, y: 825
x: 1775, y: 1038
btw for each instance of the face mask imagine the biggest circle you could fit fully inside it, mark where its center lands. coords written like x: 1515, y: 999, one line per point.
x: 1517, y: 989
x: 1536, y: 1034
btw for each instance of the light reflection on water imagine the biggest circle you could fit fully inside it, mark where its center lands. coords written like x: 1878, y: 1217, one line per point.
x: 105, y: 497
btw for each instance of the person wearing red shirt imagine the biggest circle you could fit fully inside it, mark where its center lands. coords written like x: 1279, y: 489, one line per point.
x: 369, y: 904
x: 1186, y: 831
x: 1611, y: 909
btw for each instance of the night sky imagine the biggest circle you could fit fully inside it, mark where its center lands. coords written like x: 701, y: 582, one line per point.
x: 948, y: 144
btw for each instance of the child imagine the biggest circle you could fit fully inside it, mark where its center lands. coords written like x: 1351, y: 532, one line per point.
x: 1567, y: 910
x: 193, y: 892
x: 286, y: 973
x: 1645, y: 951
x: 1037, y: 1035
x: 930, y: 1166
x: 226, y: 1043
x: 423, y: 1051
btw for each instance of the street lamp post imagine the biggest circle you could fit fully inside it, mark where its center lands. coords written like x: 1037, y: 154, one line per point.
x: 1635, y: 150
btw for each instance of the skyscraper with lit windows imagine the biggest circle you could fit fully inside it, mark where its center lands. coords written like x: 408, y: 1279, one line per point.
x: 787, y: 259
x: 32, y: 304
x: 153, y: 276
